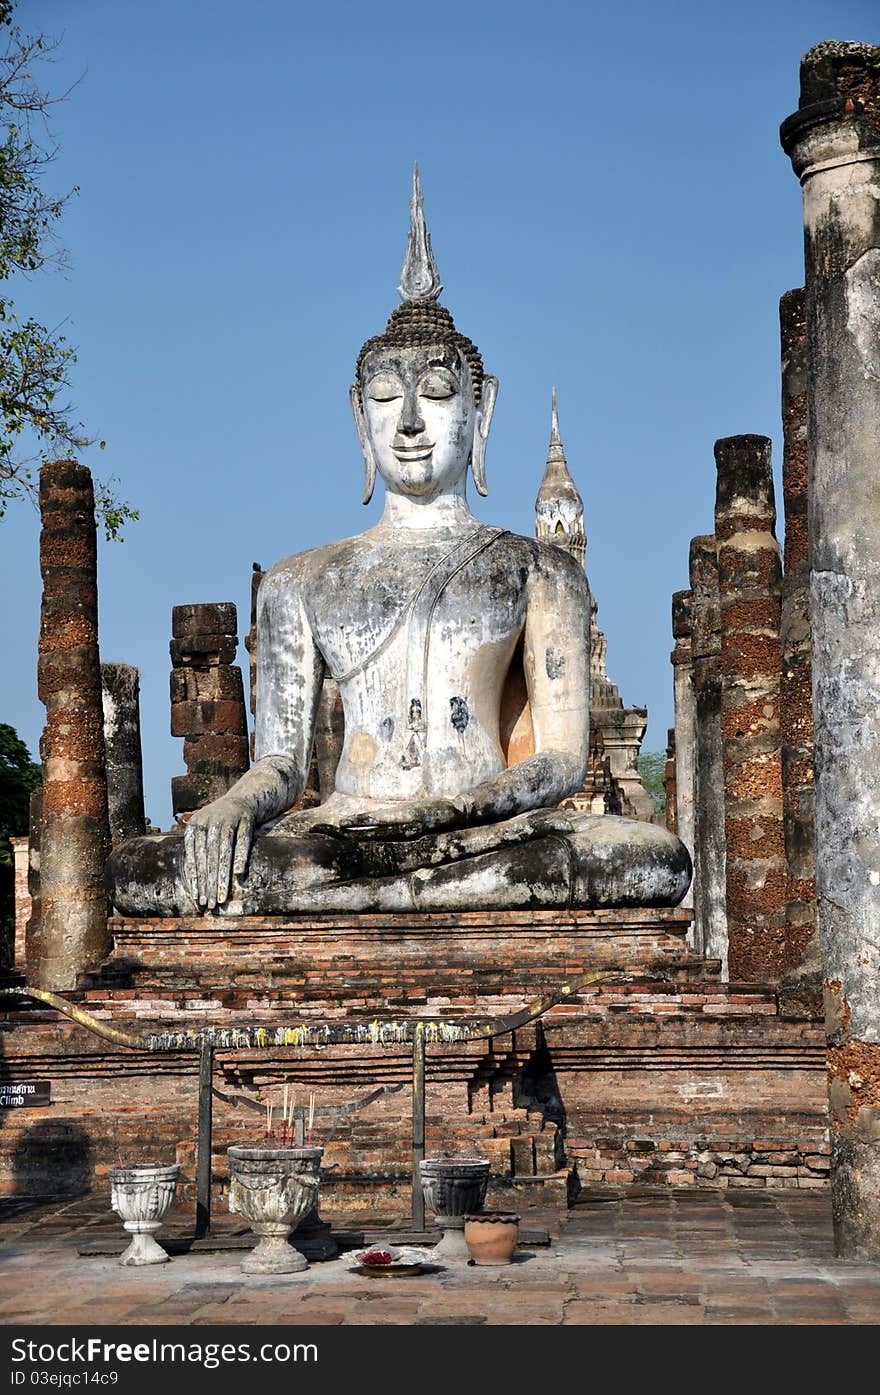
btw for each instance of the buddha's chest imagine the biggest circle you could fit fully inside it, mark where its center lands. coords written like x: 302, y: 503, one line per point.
x: 395, y: 622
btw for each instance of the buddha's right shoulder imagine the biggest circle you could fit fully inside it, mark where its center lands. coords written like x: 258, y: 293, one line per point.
x: 301, y: 569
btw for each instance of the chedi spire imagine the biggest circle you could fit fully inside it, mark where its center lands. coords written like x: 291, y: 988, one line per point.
x: 559, y: 508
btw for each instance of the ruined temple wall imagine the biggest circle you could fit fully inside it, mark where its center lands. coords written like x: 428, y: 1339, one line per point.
x: 697, y: 1115
x: 207, y: 703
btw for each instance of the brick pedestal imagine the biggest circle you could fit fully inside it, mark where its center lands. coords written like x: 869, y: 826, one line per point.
x: 670, y: 1077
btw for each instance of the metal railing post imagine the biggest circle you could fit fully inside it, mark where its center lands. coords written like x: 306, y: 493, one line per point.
x: 418, y: 1127
x: 203, y: 1146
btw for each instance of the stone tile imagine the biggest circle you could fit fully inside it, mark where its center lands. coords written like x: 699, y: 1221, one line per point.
x: 537, y: 1318
x: 757, y: 1317
x: 579, y: 1314
x: 603, y: 1285
x: 464, y: 1320
x: 664, y: 1315
x: 668, y: 1282
x: 769, y: 1263
x: 863, y: 1312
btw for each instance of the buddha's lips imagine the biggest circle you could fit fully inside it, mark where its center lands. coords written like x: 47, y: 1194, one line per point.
x: 407, y: 453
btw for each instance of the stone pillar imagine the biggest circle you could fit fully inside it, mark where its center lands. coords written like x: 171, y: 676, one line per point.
x: 21, y: 860
x: 802, y: 962
x: 685, y: 723
x: 834, y: 144
x: 207, y: 703
x: 670, y: 811
x: 120, y: 688
x: 750, y: 587
x: 75, y: 835
x: 623, y: 729
x: 710, y: 907
x: 32, y: 944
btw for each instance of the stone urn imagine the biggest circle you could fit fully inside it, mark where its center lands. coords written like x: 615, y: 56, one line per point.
x: 491, y: 1236
x: 141, y: 1196
x: 454, y: 1188
x: 274, y: 1189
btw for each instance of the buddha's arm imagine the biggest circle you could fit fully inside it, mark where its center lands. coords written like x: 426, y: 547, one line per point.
x: 290, y: 670
x: 556, y: 662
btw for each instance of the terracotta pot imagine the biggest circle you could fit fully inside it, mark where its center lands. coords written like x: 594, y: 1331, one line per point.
x: 491, y: 1236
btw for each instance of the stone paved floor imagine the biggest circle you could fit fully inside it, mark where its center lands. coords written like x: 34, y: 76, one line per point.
x: 677, y: 1259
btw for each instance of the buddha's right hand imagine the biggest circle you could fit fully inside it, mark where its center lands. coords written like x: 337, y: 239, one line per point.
x: 216, y: 843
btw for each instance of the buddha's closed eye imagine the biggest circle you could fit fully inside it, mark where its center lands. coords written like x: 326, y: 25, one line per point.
x: 437, y: 386
x: 384, y: 389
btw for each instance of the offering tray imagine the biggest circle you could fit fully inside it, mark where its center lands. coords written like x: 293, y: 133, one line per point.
x: 403, y: 1259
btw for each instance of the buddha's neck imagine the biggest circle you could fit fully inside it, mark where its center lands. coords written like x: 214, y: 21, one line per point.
x: 449, y: 510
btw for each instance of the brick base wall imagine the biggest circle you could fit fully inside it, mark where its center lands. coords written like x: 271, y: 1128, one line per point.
x: 671, y: 1077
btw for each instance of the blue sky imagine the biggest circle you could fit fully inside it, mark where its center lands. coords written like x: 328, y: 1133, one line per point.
x: 610, y: 210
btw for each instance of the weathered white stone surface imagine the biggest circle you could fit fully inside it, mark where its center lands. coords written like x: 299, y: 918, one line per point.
x: 834, y: 144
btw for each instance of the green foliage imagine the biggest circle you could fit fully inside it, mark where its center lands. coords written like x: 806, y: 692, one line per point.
x: 19, y: 775
x: 36, y: 423
x: 652, y: 772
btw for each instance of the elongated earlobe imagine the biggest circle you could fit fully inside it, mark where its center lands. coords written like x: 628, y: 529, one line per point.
x: 369, y: 478
x: 366, y: 448
x: 481, y: 433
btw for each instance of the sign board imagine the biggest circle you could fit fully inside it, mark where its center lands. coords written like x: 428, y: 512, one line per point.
x: 24, y: 1094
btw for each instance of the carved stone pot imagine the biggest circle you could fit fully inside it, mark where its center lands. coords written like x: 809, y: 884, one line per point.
x: 141, y: 1196
x: 491, y: 1236
x: 274, y: 1189
x: 453, y: 1188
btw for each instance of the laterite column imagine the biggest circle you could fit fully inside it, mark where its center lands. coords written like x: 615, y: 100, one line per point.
x: 120, y: 685
x: 802, y: 961
x: 834, y: 144
x: 670, y: 798
x: 32, y: 941
x: 685, y: 723
x: 207, y: 703
x: 750, y: 585
x: 75, y: 835
x: 710, y: 915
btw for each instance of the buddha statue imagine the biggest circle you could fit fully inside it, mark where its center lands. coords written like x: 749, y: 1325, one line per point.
x: 427, y: 621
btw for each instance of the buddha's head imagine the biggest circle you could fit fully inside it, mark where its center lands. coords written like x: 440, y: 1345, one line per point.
x: 421, y: 401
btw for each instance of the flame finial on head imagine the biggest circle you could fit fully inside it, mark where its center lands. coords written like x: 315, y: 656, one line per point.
x: 420, y: 278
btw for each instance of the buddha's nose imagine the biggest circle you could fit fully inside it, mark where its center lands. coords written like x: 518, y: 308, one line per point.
x: 411, y: 422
